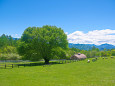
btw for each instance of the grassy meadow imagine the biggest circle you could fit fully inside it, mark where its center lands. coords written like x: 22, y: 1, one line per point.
x: 80, y: 73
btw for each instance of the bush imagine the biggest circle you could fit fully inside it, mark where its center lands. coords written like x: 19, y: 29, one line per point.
x: 3, y: 56
x: 11, y: 56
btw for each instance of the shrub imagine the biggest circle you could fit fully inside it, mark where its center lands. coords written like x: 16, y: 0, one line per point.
x: 11, y: 56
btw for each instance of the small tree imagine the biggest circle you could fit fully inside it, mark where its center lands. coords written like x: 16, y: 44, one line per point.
x: 113, y: 52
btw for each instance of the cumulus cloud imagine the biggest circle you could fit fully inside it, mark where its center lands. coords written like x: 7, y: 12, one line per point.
x: 97, y: 37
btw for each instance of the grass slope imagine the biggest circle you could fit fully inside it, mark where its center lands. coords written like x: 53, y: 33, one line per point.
x: 81, y: 73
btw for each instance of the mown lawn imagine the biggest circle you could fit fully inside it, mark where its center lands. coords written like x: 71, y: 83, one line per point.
x: 81, y: 73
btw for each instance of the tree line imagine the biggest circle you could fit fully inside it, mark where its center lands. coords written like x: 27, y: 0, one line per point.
x: 8, y: 48
x: 47, y: 42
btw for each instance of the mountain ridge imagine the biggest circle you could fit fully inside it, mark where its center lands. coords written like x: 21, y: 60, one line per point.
x: 89, y: 46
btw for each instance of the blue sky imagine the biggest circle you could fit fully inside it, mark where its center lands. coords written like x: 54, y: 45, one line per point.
x: 70, y: 15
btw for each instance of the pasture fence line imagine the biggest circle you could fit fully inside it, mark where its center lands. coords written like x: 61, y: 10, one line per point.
x: 12, y: 65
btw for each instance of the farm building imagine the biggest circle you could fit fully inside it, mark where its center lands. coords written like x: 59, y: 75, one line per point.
x: 78, y: 56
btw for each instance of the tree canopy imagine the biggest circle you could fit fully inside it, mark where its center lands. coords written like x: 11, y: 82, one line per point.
x: 42, y: 43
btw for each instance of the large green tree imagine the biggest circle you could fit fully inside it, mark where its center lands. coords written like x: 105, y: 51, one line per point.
x: 40, y: 42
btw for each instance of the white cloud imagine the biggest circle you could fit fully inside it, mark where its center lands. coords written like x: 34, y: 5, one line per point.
x: 16, y: 35
x: 93, y: 37
x: 66, y: 32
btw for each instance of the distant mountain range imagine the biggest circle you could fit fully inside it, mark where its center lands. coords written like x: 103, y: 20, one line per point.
x: 89, y: 46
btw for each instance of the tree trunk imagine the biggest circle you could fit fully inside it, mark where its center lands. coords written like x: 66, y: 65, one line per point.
x: 46, y: 61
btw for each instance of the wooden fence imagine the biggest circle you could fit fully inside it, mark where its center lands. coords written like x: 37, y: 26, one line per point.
x: 7, y: 65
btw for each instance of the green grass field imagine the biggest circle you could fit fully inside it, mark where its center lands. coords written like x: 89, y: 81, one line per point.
x: 81, y: 73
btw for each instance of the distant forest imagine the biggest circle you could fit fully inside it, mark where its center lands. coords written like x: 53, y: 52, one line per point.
x: 6, y: 40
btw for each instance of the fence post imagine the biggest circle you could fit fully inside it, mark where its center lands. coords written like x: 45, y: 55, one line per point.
x: 5, y: 66
x: 12, y: 65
